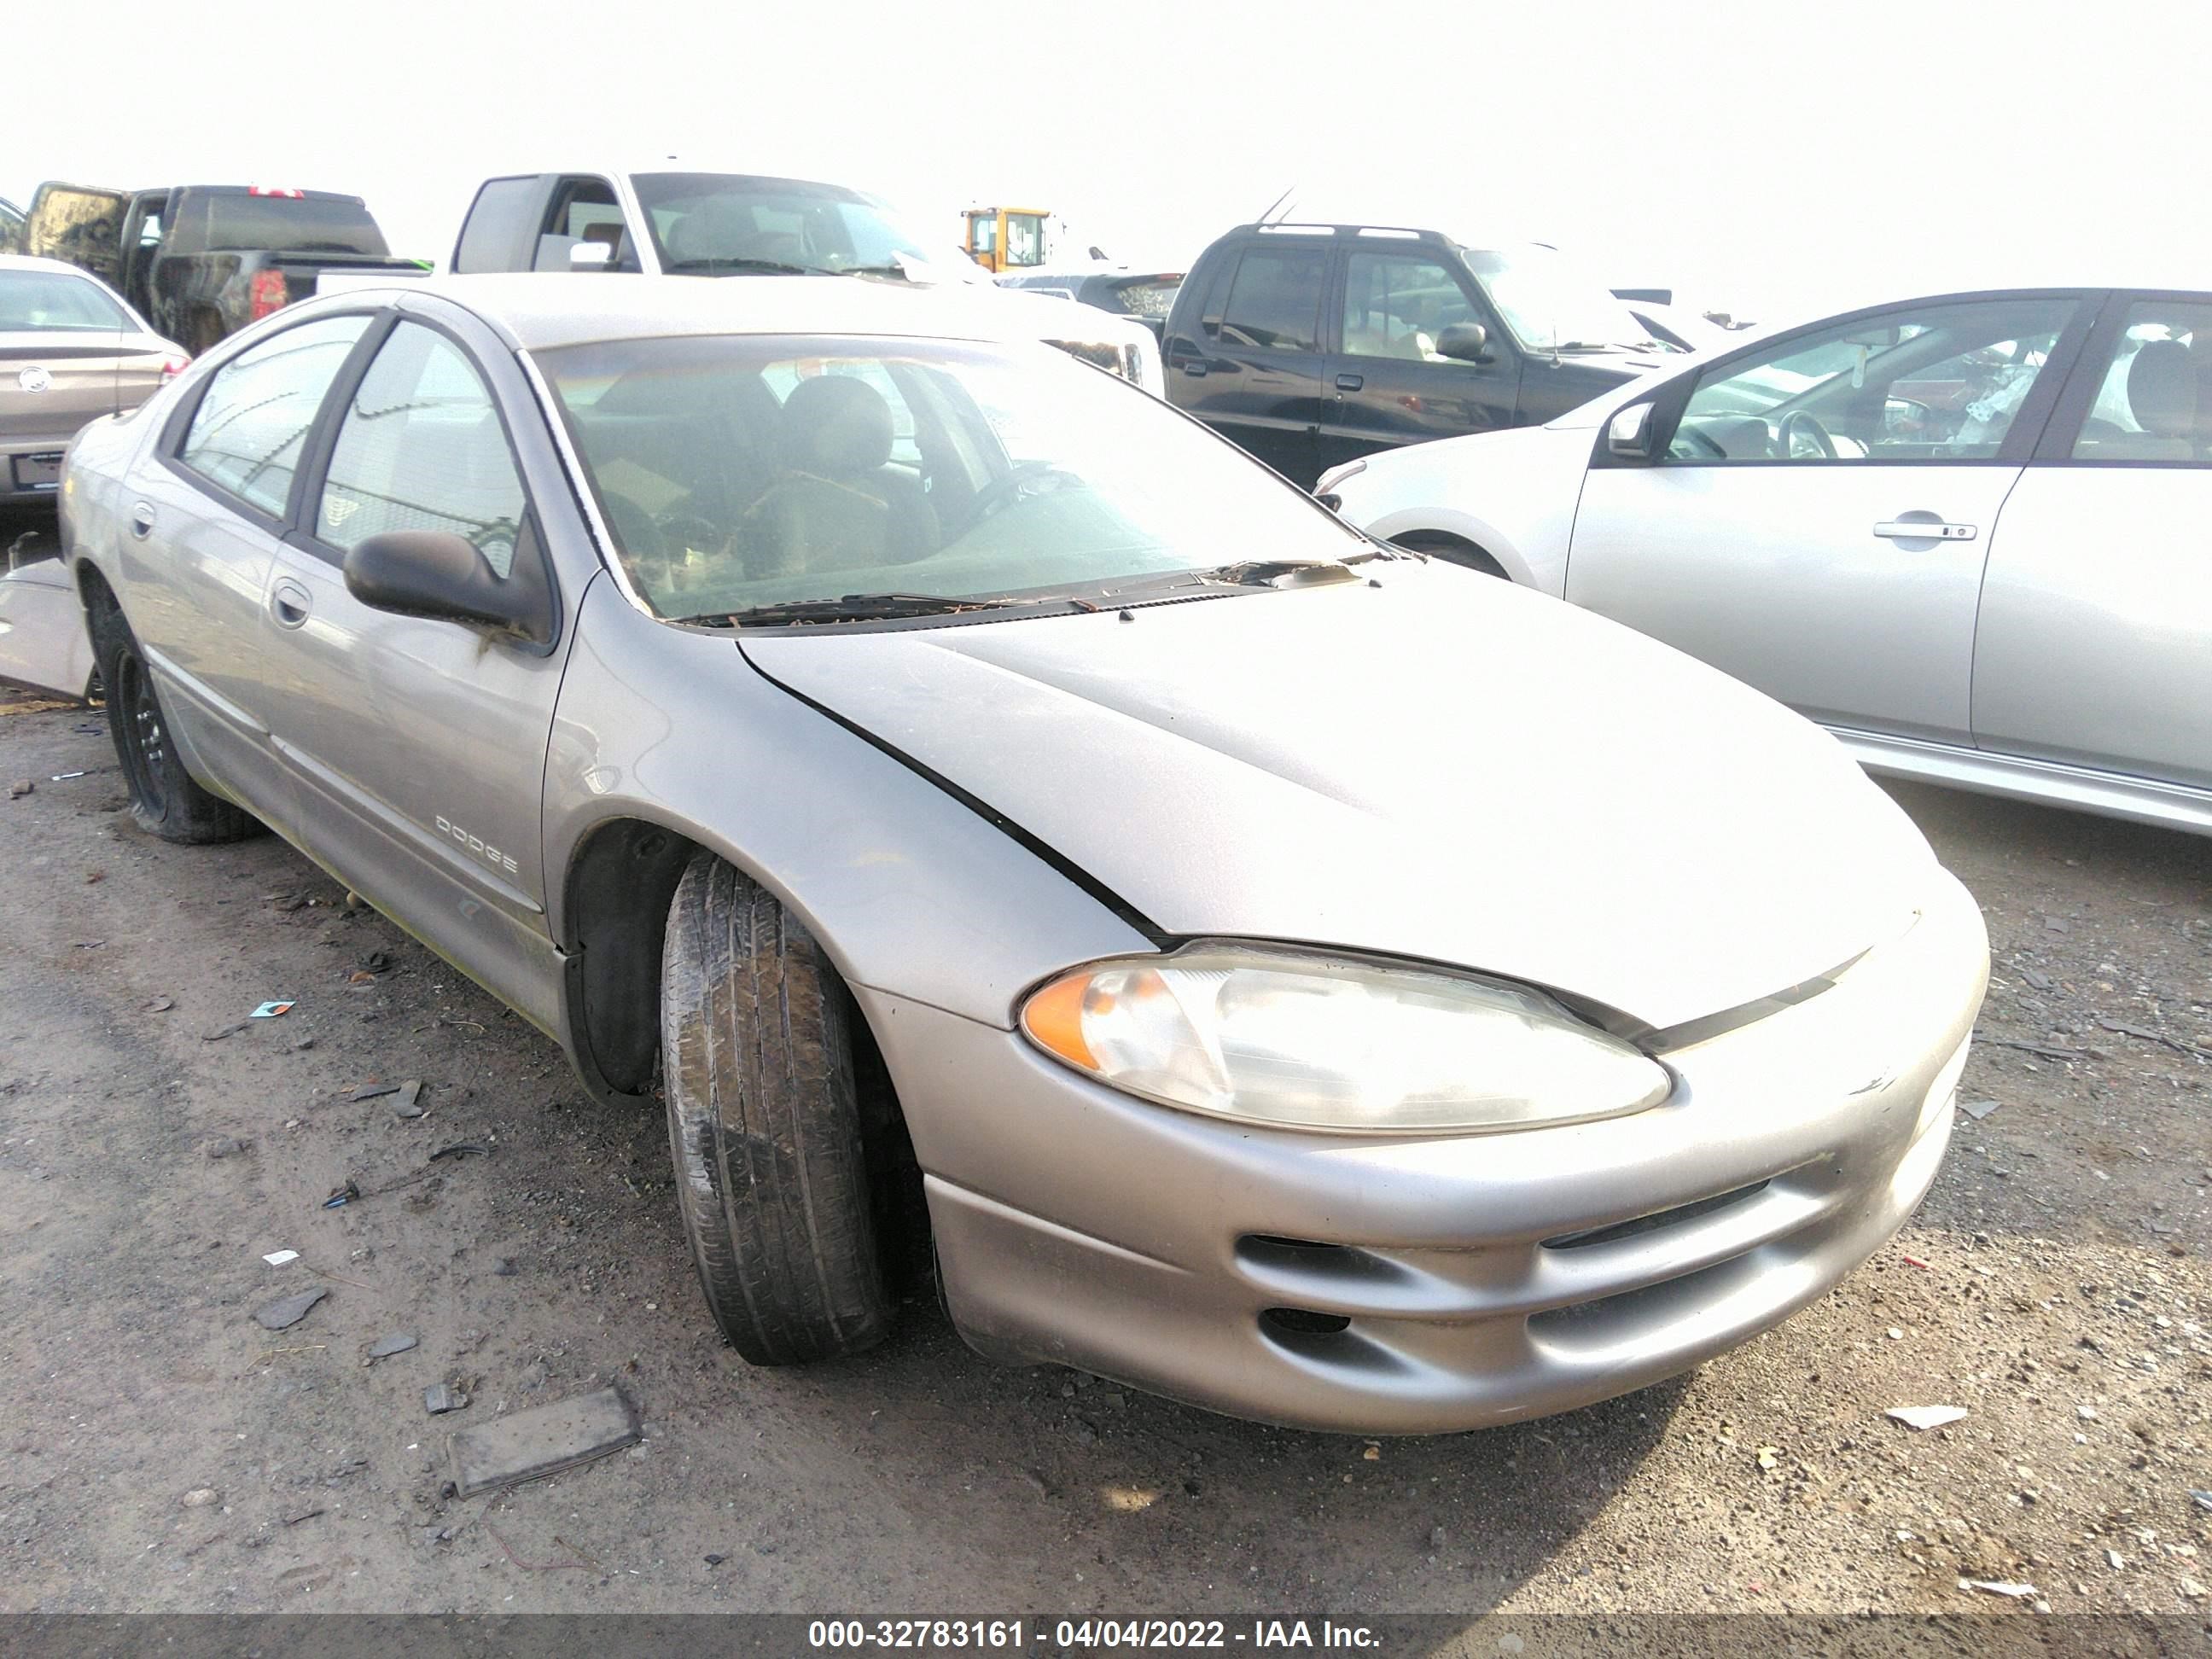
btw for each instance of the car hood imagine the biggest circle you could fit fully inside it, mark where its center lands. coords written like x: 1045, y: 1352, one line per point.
x: 1444, y: 768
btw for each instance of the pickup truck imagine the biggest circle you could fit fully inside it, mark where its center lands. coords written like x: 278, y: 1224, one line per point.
x: 202, y: 261
x: 675, y: 219
x: 1312, y: 345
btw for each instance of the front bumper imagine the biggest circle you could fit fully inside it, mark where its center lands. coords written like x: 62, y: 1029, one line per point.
x: 1417, y: 1286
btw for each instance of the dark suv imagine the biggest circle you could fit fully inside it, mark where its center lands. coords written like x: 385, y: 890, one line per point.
x: 1313, y: 344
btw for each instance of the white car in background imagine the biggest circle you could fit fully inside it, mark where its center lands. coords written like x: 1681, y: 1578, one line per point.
x: 1964, y: 532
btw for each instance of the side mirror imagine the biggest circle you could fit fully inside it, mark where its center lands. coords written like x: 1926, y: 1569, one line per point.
x: 1628, y: 435
x: 590, y: 256
x: 1468, y: 342
x: 437, y: 575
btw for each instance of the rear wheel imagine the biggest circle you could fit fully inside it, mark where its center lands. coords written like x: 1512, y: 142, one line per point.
x: 1452, y: 550
x: 764, y: 1122
x: 165, y: 801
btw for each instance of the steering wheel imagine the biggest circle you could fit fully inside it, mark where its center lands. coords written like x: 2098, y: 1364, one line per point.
x: 1798, y: 421
x: 1002, y: 493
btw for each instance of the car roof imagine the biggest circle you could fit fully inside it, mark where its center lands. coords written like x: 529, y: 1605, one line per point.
x: 544, y: 310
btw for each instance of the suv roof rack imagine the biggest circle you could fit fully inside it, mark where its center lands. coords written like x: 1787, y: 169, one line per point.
x: 1391, y: 233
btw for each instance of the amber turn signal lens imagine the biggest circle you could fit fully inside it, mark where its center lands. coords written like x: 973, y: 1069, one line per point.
x: 1054, y: 1017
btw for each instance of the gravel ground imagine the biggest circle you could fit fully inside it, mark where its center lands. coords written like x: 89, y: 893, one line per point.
x: 162, y: 1451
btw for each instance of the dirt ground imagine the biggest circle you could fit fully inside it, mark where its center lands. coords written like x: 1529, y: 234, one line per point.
x: 162, y: 1451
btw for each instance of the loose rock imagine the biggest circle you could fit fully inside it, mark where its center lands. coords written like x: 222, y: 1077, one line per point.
x: 287, y: 1311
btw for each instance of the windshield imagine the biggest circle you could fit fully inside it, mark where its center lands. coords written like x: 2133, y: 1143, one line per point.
x: 226, y: 221
x: 48, y: 302
x: 736, y: 472
x: 728, y: 223
x: 1550, y: 305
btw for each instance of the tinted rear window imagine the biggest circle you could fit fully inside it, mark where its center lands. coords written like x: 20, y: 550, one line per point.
x: 40, y: 302
x: 222, y: 221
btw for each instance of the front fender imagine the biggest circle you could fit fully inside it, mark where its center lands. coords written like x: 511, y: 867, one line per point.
x: 1512, y: 494
x: 910, y: 891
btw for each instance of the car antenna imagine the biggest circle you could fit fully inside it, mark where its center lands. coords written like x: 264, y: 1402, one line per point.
x: 1285, y: 203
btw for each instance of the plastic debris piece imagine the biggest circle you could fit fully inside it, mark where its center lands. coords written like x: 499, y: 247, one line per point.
x: 2202, y: 1500
x: 222, y: 1031
x: 1978, y: 1109
x: 371, y: 1090
x: 341, y: 1196
x: 544, y: 1440
x: 272, y: 1011
x: 2018, y: 1591
x: 441, y: 1397
x: 457, y: 1148
x: 278, y: 1258
x: 1925, y: 1416
x: 287, y: 1311
x: 411, y: 1095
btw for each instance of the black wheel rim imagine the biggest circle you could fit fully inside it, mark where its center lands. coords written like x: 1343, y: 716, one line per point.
x: 145, y: 738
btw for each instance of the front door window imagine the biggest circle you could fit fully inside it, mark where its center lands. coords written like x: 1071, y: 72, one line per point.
x: 1932, y: 383
x: 1397, y: 305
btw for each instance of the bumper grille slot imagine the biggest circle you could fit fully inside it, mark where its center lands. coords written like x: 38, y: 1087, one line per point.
x: 1654, y: 1222
x: 1303, y: 1321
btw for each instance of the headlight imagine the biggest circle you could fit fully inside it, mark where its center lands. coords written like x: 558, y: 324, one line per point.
x: 1320, y: 1042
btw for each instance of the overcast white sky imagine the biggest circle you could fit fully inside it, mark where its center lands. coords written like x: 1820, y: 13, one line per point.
x: 1771, y: 158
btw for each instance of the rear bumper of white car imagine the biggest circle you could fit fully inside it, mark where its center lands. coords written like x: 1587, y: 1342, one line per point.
x: 1419, y: 1286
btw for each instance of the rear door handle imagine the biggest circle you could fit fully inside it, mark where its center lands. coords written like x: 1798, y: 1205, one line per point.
x: 1350, y: 382
x: 290, y: 603
x: 1925, y: 530
x: 142, y: 520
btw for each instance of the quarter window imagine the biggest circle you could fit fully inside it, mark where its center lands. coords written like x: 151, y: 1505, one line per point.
x: 422, y: 448
x: 1937, y: 383
x: 2154, y: 401
x: 1396, y: 307
x: 1274, y: 301
x: 246, y: 433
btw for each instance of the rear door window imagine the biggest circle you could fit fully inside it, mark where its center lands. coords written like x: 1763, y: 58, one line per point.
x: 422, y: 448
x: 2154, y: 392
x: 1274, y: 301
x: 246, y: 433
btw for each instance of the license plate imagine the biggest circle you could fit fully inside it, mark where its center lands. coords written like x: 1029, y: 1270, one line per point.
x: 39, y: 472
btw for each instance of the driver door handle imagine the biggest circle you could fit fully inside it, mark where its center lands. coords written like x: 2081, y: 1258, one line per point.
x: 142, y: 520
x: 1923, y: 530
x: 1350, y: 382
x: 290, y: 603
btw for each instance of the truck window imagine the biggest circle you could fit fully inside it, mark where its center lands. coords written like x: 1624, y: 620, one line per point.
x: 219, y: 220
x: 493, y: 230
x: 1274, y: 301
x: 584, y: 210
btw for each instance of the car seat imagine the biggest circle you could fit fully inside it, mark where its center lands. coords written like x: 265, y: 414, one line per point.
x: 2162, y: 398
x: 836, y: 504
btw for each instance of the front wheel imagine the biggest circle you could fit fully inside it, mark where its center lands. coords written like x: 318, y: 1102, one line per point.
x: 764, y: 1122
x: 165, y: 801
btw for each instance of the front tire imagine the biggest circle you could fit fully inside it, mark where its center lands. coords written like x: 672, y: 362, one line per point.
x: 165, y: 801
x: 764, y: 1123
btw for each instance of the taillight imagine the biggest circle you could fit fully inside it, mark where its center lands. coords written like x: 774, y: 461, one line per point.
x: 267, y: 292
x: 172, y: 367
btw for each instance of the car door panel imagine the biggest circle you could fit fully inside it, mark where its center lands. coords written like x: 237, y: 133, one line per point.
x: 2095, y: 643
x: 1385, y: 384
x: 1815, y: 531
x: 1255, y: 375
x: 1776, y: 575
x: 416, y: 747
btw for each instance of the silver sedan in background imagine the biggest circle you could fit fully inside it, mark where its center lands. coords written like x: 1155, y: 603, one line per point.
x: 70, y: 351
x: 1289, y: 975
x: 1966, y: 534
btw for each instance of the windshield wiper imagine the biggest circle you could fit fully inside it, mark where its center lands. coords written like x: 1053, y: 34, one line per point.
x: 710, y: 266
x: 850, y: 607
x: 900, y: 272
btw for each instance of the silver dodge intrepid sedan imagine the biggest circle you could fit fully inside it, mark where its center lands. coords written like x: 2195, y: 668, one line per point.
x: 1300, y: 978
